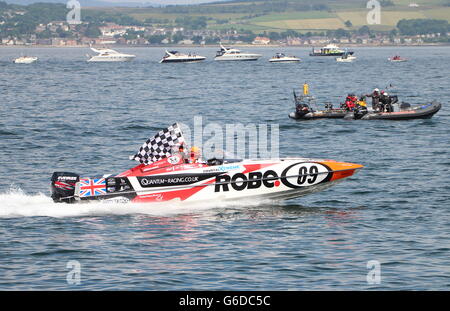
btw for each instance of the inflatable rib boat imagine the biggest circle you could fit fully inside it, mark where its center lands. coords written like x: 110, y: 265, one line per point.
x: 404, y: 112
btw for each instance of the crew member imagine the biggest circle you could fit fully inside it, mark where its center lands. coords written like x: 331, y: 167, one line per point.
x: 375, y: 95
x: 183, y: 154
x: 350, y: 102
x: 385, y: 100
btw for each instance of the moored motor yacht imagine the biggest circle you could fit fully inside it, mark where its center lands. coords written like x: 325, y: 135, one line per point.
x: 225, y: 54
x: 165, y: 175
x: 25, y: 60
x: 282, y: 58
x: 177, y: 57
x: 109, y: 55
x: 329, y: 50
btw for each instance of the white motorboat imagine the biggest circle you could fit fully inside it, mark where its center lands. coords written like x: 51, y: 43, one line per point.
x: 346, y: 58
x: 109, y: 55
x: 397, y: 59
x: 225, y: 54
x: 282, y: 58
x: 25, y: 60
x: 177, y: 57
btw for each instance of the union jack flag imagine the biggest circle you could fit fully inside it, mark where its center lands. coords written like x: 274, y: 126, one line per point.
x: 91, y: 187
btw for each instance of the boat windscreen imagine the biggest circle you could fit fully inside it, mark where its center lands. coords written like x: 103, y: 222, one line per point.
x: 231, y: 160
x: 225, y: 156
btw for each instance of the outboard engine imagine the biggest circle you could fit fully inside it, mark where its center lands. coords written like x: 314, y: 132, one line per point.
x: 405, y: 106
x: 360, y: 112
x: 63, y: 186
x: 302, y: 109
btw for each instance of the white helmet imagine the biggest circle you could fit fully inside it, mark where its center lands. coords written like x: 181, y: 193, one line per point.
x: 385, y: 94
x: 376, y: 90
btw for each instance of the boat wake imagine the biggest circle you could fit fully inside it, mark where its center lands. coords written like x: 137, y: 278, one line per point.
x: 16, y: 203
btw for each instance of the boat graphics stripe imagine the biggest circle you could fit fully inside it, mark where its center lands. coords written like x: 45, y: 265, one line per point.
x: 174, y: 179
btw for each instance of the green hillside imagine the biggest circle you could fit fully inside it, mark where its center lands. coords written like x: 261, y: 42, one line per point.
x: 298, y: 15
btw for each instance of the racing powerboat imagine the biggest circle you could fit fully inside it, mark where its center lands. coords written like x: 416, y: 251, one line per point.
x: 25, y: 60
x: 177, y: 57
x: 229, y: 54
x: 109, y: 55
x: 173, y: 178
x: 282, y: 58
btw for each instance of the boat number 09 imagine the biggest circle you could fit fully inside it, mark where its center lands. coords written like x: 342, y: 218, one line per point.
x: 305, y: 175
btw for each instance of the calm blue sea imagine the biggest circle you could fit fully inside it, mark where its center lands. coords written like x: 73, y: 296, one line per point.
x: 62, y: 113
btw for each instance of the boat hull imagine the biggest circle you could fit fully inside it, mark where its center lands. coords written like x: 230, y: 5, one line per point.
x: 183, y: 60
x: 422, y: 112
x: 324, y: 114
x: 98, y: 59
x: 284, y: 60
x: 331, y: 54
x: 29, y: 60
x: 252, y: 57
x: 345, y: 60
x: 397, y: 60
x: 274, y: 179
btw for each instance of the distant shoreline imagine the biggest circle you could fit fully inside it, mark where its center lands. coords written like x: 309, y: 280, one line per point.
x: 352, y: 45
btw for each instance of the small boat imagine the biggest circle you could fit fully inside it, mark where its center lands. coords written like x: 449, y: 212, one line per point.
x: 304, y: 110
x: 329, y: 50
x: 109, y: 55
x: 282, y: 58
x: 228, y: 54
x: 25, y: 60
x: 397, y: 59
x: 163, y: 175
x: 177, y: 57
x: 311, y: 114
x: 346, y: 58
x: 400, y: 111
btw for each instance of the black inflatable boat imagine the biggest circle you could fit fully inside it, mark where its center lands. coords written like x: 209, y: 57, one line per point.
x: 404, y: 111
x: 319, y: 114
x: 304, y: 110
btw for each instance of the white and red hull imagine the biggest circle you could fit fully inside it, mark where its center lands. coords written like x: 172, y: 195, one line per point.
x: 172, y: 180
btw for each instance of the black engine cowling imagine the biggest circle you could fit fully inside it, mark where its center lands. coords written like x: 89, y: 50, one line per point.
x: 63, y: 186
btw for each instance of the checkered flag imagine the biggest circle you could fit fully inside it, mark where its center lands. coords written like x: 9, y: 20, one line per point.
x: 160, y: 146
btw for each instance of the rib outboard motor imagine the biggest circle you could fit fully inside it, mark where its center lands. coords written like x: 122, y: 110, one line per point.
x: 63, y: 186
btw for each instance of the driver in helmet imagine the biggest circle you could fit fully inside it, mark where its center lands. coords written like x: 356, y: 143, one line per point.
x: 195, y: 155
x: 386, y: 102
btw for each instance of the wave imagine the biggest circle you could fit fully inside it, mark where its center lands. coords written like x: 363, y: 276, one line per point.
x: 16, y: 203
x: 7, y: 133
